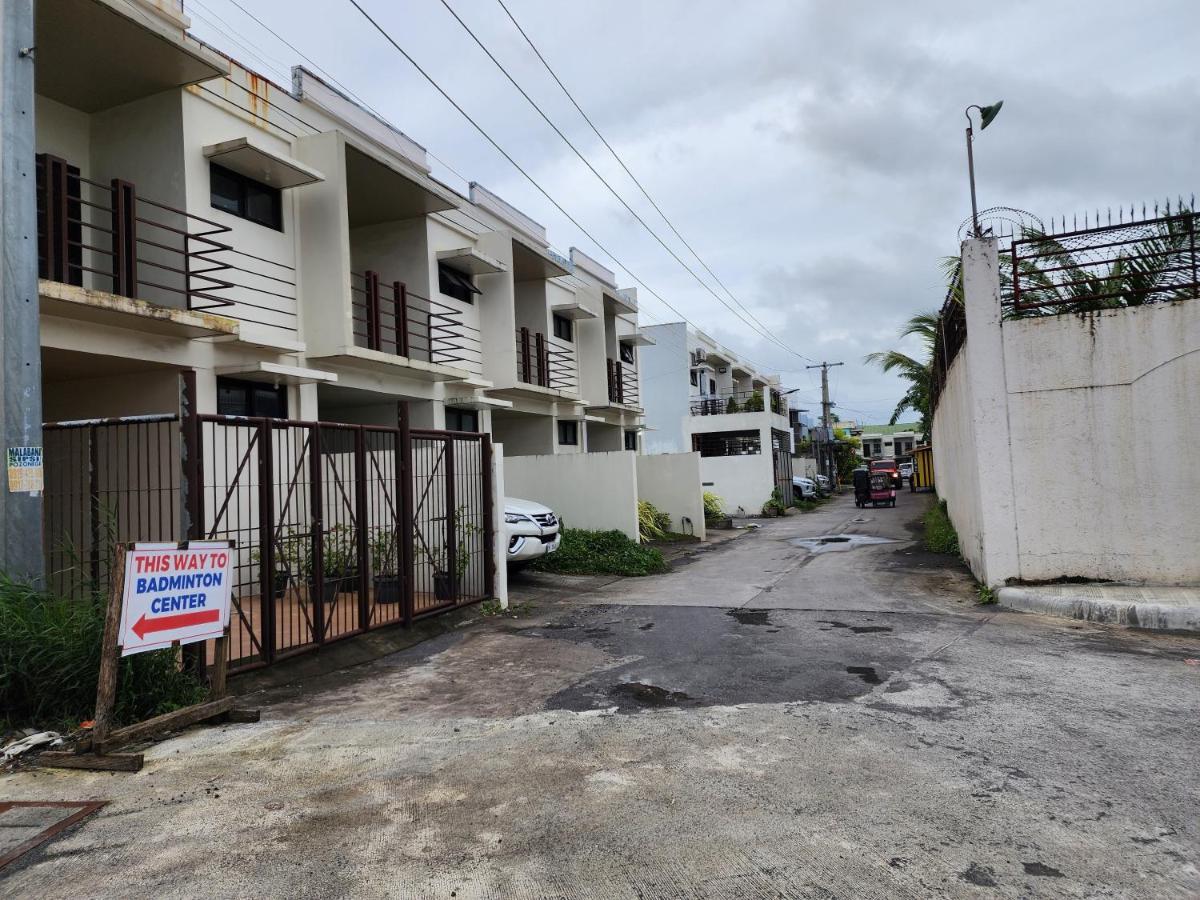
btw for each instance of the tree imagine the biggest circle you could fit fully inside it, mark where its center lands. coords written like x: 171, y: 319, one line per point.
x: 917, y: 372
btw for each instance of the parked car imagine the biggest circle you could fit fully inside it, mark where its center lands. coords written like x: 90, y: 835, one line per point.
x: 533, y: 530
x: 906, y: 472
x: 823, y: 484
x: 806, y: 488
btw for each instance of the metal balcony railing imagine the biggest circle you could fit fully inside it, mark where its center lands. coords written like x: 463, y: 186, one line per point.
x: 623, y: 385
x: 739, y: 402
x: 106, y: 237
x: 546, y: 362
x: 390, y: 318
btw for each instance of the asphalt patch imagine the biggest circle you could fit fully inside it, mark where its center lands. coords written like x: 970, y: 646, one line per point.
x: 649, y: 695
x: 1041, y: 870
x: 866, y: 673
x: 750, y: 616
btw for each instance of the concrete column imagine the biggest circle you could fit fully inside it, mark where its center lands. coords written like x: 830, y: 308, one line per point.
x: 989, y: 417
x: 499, y: 529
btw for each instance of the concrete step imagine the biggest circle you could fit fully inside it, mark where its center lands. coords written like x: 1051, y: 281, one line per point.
x: 1137, y: 606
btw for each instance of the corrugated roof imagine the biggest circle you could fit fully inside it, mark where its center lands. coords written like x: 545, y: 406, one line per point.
x: 891, y: 429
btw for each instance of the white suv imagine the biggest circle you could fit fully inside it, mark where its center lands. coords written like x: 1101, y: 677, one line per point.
x: 533, y: 530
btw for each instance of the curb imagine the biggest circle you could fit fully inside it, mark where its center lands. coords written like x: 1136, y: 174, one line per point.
x: 1109, y: 611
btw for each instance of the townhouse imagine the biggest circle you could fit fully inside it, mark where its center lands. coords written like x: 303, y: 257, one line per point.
x: 292, y: 254
x: 700, y: 396
x: 889, y: 441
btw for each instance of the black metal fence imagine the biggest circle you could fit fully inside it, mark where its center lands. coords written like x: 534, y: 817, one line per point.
x: 948, y: 340
x: 338, y: 528
x: 1132, y: 263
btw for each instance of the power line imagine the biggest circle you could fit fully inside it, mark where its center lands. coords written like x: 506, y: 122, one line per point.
x: 754, y: 324
x: 383, y: 32
x: 632, y: 177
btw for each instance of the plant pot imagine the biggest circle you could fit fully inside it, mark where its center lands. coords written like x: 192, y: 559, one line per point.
x: 723, y: 523
x: 443, y: 586
x: 331, y: 587
x: 279, y: 584
x: 387, y: 589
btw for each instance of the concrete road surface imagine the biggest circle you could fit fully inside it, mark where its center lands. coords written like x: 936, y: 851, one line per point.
x: 778, y: 717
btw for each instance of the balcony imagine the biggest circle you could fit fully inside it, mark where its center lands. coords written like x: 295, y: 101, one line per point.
x: 739, y: 402
x: 107, y: 238
x: 388, y: 318
x: 622, y: 383
x: 546, y: 362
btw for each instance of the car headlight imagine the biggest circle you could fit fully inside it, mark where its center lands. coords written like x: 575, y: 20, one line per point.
x: 513, y: 518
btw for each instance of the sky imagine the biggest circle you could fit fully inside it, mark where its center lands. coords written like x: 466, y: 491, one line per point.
x: 811, y: 152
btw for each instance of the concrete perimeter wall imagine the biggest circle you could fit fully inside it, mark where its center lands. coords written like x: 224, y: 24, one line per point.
x: 1087, y: 468
x: 740, y: 481
x: 597, y: 491
x: 671, y: 481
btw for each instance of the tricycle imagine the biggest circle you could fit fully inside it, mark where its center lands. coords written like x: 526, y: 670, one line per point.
x: 883, y: 489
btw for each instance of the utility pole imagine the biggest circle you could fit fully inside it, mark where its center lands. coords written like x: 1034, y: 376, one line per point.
x: 830, y: 465
x: 20, y: 351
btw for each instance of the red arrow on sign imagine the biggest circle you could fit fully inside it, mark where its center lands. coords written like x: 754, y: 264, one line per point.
x: 169, y: 623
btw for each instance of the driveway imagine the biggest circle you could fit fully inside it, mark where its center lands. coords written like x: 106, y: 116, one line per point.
x: 778, y: 717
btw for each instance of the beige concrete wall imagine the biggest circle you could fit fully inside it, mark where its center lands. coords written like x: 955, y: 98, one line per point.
x: 744, y: 483
x: 596, y: 491
x: 671, y: 481
x: 955, y: 461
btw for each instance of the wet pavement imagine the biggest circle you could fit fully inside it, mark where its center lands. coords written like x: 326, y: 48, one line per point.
x: 773, y: 718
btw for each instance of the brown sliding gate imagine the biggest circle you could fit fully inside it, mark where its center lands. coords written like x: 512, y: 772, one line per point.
x: 339, y: 528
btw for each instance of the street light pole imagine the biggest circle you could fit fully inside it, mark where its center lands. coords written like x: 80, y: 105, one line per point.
x: 825, y: 407
x: 986, y: 115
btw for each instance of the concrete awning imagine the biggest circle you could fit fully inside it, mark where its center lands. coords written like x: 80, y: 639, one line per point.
x: 386, y: 191
x: 247, y: 156
x: 619, y: 303
x: 531, y: 262
x: 470, y: 260
x: 274, y: 373
x: 637, y: 339
x: 94, y: 54
x: 574, y: 311
x: 478, y: 401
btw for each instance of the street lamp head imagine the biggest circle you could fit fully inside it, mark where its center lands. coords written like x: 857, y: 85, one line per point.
x: 989, y: 113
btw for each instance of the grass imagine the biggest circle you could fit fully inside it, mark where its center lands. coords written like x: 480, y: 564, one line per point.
x: 514, y: 611
x: 986, y: 594
x: 50, y: 662
x: 601, y: 553
x: 940, y: 536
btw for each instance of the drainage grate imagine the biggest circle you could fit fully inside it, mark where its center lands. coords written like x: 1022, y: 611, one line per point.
x: 27, y: 824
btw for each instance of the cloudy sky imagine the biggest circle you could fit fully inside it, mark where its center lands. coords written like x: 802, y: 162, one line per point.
x: 812, y: 153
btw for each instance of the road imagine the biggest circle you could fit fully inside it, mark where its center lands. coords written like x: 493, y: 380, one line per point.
x: 777, y: 717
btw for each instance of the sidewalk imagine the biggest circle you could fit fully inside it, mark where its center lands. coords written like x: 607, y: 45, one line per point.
x: 1138, y: 606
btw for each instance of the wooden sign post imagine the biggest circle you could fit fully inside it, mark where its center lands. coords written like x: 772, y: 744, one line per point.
x: 179, y: 593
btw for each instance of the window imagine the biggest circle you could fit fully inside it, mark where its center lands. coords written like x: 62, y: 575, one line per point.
x: 251, y: 398
x: 627, y: 353
x: 462, y: 419
x: 727, y: 443
x: 695, y: 379
x: 631, y: 440
x: 568, y: 433
x: 562, y: 329
x: 456, y: 284
x: 244, y: 197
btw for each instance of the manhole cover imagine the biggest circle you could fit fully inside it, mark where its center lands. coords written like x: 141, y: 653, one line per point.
x: 25, y: 825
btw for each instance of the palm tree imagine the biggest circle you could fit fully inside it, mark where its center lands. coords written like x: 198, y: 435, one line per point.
x: 916, y: 372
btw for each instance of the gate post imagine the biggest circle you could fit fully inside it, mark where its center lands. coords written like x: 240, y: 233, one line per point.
x: 316, y: 550
x: 266, y: 537
x: 451, y: 523
x: 404, y: 466
x: 360, y: 517
x: 489, y: 513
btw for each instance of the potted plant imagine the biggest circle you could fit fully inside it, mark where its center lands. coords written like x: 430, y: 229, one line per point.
x: 445, y: 583
x: 714, y: 512
x: 288, y: 550
x: 774, y: 506
x: 754, y: 403
x: 385, y: 569
x: 339, y: 563
x: 731, y: 406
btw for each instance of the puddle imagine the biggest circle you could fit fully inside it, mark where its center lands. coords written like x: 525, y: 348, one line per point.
x: 866, y: 673
x: 750, y: 616
x: 648, y: 694
x: 827, y: 543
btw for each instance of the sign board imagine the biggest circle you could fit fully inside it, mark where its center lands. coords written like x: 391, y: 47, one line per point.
x: 24, y: 470
x: 174, y: 593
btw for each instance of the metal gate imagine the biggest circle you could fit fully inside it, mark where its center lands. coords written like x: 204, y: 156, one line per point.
x: 339, y: 528
x: 781, y: 460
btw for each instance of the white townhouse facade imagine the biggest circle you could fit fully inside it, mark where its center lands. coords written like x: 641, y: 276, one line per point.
x: 699, y: 396
x: 290, y: 255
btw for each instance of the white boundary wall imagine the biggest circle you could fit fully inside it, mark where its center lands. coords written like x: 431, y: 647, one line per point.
x: 1062, y: 443
x: 671, y: 481
x: 597, y: 491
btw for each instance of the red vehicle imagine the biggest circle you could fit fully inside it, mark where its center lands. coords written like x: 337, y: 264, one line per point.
x: 883, y: 489
x: 889, y: 466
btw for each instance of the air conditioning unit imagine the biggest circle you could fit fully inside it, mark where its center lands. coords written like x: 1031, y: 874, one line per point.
x: 697, y: 357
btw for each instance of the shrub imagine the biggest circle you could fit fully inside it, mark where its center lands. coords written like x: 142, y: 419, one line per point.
x: 775, y: 504
x: 754, y: 403
x: 653, y: 524
x: 940, y: 536
x: 714, y: 506
x: 731, y: 406
x: 50, y: 662
x: 601, y: 553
